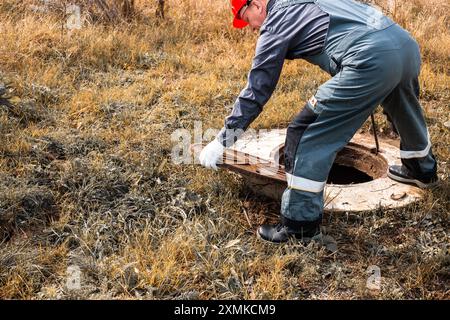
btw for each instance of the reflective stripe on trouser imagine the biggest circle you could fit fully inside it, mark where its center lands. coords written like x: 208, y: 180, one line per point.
x: 343, y: 104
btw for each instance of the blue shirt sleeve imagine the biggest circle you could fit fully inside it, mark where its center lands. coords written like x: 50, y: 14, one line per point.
x: 271, y: 50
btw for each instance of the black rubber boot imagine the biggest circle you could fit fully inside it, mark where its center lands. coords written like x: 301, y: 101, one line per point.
x: 288, y: 229
x: 402, y: 174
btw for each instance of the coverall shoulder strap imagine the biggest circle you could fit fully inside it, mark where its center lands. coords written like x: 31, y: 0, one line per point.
x: 286, y: 3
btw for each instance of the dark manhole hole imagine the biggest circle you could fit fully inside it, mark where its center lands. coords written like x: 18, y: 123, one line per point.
x: 356, y: 164
x: 353, y: 164
x: 340, y: 174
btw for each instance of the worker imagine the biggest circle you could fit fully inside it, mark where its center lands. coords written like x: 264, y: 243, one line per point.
x: 372, y: 61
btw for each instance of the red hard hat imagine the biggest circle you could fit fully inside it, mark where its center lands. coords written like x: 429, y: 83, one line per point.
x: 237, y: 5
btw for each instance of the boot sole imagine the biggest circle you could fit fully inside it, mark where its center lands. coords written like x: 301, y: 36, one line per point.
x: 304, y: 241
x: 412, y: 181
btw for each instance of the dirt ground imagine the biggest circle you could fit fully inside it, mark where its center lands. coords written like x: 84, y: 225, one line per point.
x: 88, y: 188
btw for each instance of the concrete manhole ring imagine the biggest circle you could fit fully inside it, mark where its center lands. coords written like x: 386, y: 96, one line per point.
x: 371, y: 190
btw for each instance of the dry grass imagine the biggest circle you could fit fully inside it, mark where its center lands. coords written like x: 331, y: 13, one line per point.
x: 85, y: 128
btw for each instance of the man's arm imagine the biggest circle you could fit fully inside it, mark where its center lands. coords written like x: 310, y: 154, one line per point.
x: 267, y: 64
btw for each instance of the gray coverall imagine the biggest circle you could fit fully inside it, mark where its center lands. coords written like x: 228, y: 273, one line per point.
x: 372, y: 61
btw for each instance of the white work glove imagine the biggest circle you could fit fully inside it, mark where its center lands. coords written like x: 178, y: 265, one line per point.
x: 211, y: 154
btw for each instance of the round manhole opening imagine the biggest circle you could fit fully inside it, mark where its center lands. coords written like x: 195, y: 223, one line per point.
x: 354, y: 164
x: 340, y: 174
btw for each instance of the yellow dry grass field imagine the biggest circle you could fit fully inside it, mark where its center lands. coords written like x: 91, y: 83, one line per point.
x: 87, y: 181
